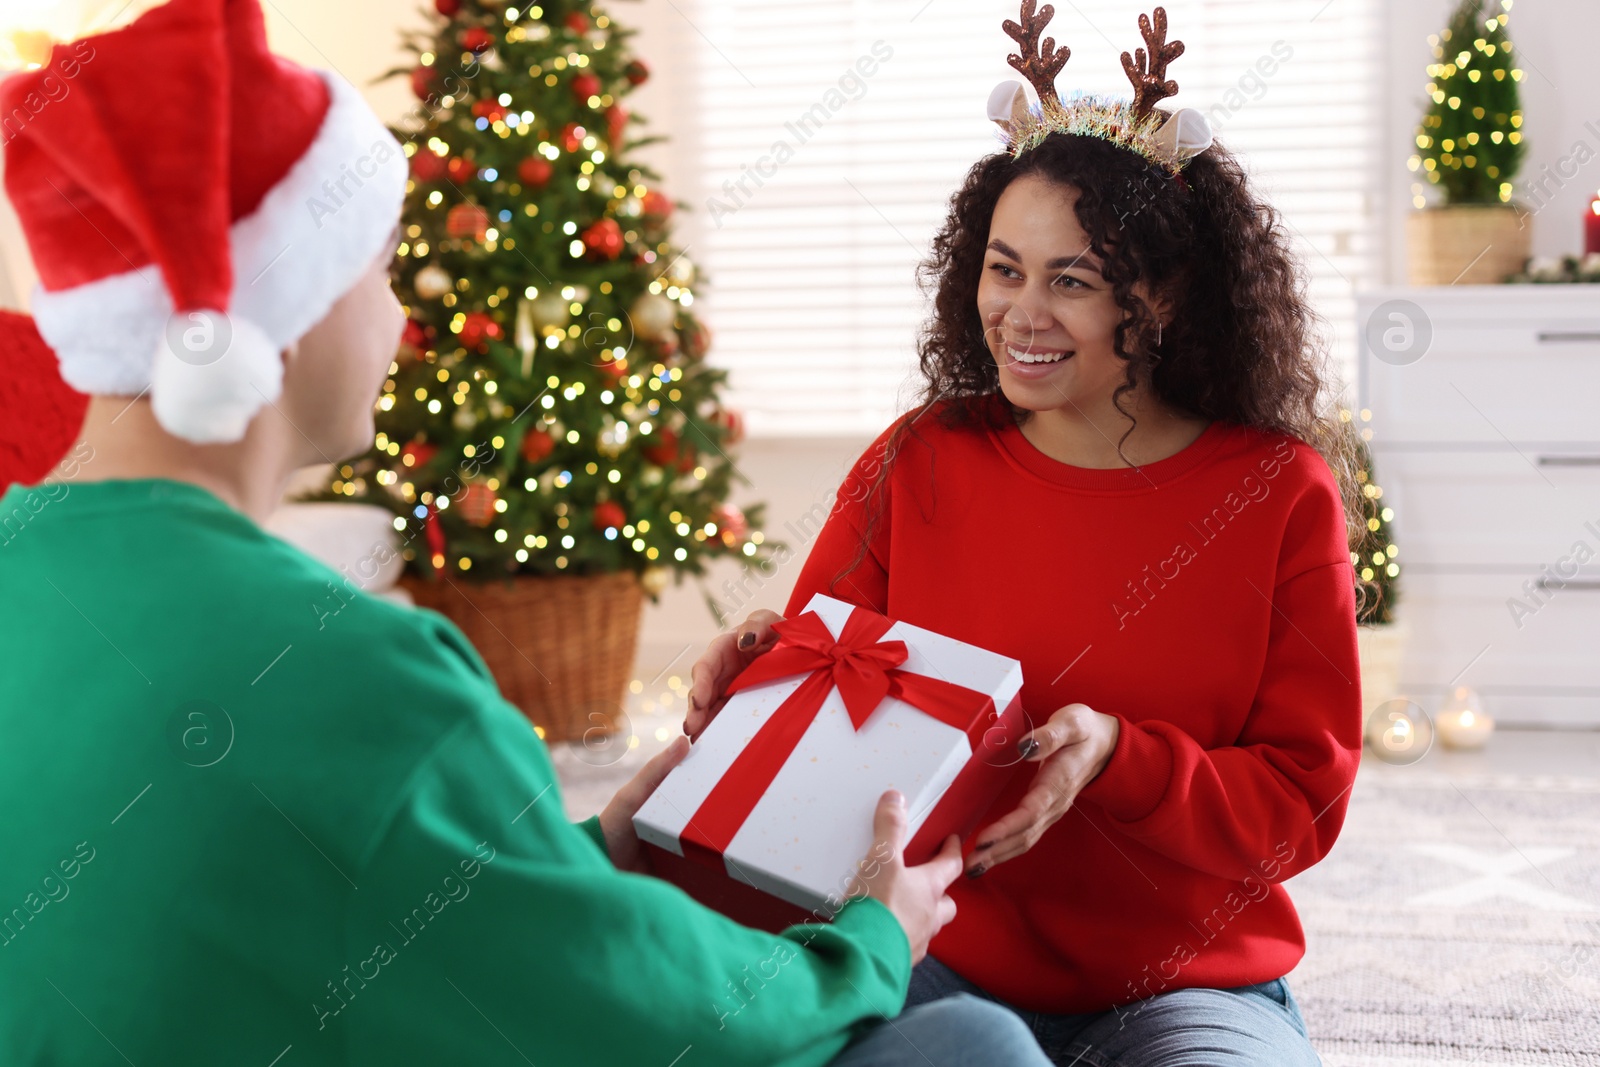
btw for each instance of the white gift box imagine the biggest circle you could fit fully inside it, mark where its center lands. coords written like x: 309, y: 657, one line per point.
x: 811, y: 825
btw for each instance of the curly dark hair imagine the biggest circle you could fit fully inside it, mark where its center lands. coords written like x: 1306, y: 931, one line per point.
x: 1242, y: 345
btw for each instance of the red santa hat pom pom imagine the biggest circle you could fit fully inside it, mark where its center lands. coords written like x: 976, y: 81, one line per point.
x: 40, y: 414
x: 212, y: 373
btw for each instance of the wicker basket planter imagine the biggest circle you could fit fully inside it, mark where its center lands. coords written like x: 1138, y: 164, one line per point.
x: 1468, y: 244
x: 561, y: 648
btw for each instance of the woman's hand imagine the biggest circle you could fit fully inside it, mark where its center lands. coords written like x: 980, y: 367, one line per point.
x: 724, y: 658
x: 616, y: 821
x: 1074, y: 747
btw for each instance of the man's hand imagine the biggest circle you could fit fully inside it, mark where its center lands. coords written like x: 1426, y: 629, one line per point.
x: 617, y: 819
x: 914, y: 895
x: 724, y: 658
x: 1074, y: 747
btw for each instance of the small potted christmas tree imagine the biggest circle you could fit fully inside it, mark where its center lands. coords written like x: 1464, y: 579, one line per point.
x: 550, y: 439
x: 1381, y: 633
x: 1468, y: 148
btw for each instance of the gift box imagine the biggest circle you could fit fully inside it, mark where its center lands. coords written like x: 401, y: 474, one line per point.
x: 770, y: 815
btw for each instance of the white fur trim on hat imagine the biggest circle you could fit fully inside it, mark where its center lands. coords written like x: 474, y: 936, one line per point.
x: 307, y: 243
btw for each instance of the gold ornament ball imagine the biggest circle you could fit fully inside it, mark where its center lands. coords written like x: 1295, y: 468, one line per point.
x: 681, y: 271
x: 653, y: 316
x: 654, y: 580
x: 549, y: 308
x: 431, y: 282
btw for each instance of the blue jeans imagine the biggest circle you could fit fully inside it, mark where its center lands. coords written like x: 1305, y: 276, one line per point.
x: 954, y: 1031
x: 1248, y: 1026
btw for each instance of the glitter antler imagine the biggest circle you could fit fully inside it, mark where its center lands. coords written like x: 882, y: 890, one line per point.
x: 1039, y: 65
x: 1149, y: 76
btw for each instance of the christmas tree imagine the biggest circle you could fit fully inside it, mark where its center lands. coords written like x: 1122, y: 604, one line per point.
x: 1470, y: 142
x: 1374, y: 554
x: 550, y: 410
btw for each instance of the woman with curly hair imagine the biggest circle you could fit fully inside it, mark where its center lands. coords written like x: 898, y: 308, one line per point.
x: 1119, y: 473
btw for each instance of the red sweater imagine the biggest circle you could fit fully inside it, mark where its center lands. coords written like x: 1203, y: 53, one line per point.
x: 1206, y: 600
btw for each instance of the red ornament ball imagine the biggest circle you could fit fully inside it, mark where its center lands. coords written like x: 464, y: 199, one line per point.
x: 608, y: 514
x: 477, y: 329
x: 616, y: 123
x: 572, y: 136
x: 636, y: 72
x: 603, y: 240
x: 417, y: 454
x: 577, y: 22
x: 422, y: 82
x: 427, y: 167
x: 733, y: 423
x: 687, y: 457
x: 656, y: 204
x: 663, y: 450
x: 476, y: 39
x: 448, y: 8
x: 493, y: 110
x: 477, y: 503
x: 537, y: 445
x: 461, y: 169
x: 415, y: 334
x: 697, y: 340
x: 731, y: 524
x: 535, y: 172
x: 436, y: 544
x: 585, y: 85
x: 468, y: 221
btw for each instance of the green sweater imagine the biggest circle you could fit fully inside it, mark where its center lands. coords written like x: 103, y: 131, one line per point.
x: 255, y: 816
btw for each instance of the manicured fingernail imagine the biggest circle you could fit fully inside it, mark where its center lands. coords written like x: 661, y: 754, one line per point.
x: 747, y: 639
x: 1027, y: 747
x: 977, y: 872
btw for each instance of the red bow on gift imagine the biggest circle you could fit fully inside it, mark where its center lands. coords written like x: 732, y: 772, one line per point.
x: 864, y: 669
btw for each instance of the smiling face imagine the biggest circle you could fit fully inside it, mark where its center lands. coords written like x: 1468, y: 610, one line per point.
x: 1048, y: 315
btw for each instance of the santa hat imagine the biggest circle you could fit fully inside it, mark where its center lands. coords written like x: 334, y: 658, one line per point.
x: 194, y: 205
x: 42, y: 414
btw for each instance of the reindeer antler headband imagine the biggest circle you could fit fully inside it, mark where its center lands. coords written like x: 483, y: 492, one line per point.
x: 1167, y: 139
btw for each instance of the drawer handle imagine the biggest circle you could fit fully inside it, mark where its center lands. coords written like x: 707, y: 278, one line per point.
x: 1570, y: 583
x: 1546, y: 336
x: 1569, y: 461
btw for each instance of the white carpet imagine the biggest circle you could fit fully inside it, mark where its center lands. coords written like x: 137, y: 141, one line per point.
x: 1457, y: 921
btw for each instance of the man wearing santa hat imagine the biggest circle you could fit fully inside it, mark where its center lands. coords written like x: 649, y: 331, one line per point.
x: 234, y: 830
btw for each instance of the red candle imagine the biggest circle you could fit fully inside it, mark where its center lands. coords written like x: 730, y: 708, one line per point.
x: 1591, y: 227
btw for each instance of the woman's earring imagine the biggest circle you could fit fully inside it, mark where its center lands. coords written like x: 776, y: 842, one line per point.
x: 1158, y: 333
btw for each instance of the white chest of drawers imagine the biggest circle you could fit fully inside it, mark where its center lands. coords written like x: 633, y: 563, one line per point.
x: 1485, y: 405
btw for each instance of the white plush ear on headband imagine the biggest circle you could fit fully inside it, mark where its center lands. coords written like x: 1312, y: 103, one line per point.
x: 1185, y: 134
x: 1007, y: 104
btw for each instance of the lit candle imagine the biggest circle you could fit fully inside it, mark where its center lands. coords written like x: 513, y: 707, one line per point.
x: 1461, y: 722
x: 1591, y: 227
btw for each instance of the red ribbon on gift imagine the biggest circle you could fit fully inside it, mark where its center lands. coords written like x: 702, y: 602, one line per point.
x: 864, y: 669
